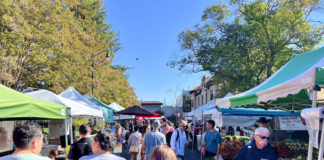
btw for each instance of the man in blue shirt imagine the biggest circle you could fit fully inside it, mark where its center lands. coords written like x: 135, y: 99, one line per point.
x: 153, y: 139
x: 259, y: 148
x: 212, y: 141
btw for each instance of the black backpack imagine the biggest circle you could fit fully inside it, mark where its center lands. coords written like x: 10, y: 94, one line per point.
x: 168, y: 138
x: 169, y: 135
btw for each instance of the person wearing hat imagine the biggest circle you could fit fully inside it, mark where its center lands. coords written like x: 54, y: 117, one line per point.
x: 153, y: 139
x: 262, y: 122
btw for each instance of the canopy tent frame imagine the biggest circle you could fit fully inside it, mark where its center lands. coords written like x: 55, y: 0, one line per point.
x: 291, y: 79
x: 25, y: 108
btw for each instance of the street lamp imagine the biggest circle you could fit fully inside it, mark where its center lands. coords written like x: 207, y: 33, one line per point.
x: 92, y: 73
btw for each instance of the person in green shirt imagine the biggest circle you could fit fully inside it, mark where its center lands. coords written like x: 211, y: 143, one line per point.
x: 28, y: 139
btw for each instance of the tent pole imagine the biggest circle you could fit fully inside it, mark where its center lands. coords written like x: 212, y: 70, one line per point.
x: 193, y: 137
x: 71, y: 129
x: 310, y: 147
x: 202, y: 131
x: 66, y: 137
x: 320, y: 153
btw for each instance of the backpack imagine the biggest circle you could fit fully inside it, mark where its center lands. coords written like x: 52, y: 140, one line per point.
x: 168, y: 138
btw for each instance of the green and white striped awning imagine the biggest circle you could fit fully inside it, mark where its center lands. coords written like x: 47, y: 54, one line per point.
x: 288, y: 86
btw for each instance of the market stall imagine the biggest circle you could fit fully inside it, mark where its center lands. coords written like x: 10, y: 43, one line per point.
x: 286, y: 89
x: 77, y: 110
x: 72, y: 94
x: 116, y: 107
x: 107, y: 111
x: 155, y: 116
x: 18, y: 106
x: 136, y: 111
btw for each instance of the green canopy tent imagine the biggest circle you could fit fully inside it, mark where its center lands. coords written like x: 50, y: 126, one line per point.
x: 285, y: 89
x: 18, y: 106
x: 15, y: 105
x: 107, y: 111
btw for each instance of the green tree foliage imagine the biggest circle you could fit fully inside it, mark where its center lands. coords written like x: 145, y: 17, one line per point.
x: 244, y: 42
x: 77, y: 122
x: 57, y: 44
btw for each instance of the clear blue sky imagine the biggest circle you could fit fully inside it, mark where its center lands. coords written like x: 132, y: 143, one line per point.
x: 148, y: 30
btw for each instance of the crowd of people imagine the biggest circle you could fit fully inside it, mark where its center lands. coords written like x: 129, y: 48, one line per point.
x: 150, y: 140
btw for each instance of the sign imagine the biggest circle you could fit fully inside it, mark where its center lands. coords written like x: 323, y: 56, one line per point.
x: 291, y: 123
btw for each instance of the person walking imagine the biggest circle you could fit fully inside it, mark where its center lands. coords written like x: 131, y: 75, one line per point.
x: 179, y: 140
x: 146, y: 129
x: 119, y: 140
x: 153, y: 139
x: 83, y: 146
x: 166, y: 127
x: 212, y: 141
x: 134, y: 143
x: 102, y: 146
x: 259, y: 148
x: 28, y: 139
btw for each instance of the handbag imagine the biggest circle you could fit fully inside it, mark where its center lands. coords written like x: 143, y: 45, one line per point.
x: 134, y: 149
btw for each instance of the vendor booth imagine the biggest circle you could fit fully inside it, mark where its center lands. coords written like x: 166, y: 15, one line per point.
x: 74, y: 95
x: 77, y: 110
x: 116, y: 107
x: 288, y: 88
x: 18, y: 106
x: 107, y: 111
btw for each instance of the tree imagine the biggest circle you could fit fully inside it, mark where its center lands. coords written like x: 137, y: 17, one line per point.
x: 244, y: 43
x: 57, y: 44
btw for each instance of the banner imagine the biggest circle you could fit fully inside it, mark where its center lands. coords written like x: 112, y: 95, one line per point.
x: 291, y: 123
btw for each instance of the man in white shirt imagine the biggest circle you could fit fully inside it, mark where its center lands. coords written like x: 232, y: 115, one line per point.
x: 179, y: 140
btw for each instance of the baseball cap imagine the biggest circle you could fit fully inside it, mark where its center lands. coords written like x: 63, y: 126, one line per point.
x: 156, y: 123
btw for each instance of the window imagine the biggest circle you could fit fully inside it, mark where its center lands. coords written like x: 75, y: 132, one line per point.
x: 211, y: 95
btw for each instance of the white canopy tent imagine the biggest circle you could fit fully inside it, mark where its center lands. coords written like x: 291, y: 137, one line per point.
x: 74, y: 95
x: 77, y: 109
x: 197, y: 113
x: 116, y: 107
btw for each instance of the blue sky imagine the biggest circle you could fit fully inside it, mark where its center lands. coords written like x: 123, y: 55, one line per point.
x: 148, y: 30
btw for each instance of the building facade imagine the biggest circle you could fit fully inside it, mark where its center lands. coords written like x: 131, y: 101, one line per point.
x: 171, y: 111
x: 205, y: 92
x: 154, y: 106
x: 184, y: 101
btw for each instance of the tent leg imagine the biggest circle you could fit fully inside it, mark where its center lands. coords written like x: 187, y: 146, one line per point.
x: 202, y: 131
x: 193, y: 137
x: 66, y: 136
x: 71, y: 130
x: 320, y: 153
x: 310, y: 147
